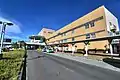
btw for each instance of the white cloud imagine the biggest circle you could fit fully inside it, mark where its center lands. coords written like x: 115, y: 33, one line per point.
x: 11, y: 29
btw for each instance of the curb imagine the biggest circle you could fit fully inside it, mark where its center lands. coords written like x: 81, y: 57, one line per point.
x: 106, y: 66
x: 21, y: 71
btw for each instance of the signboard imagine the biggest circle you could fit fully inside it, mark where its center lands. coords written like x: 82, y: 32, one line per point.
x: 7, y: 40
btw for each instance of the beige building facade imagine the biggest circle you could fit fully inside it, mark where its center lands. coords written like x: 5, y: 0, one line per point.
x: 96, y: 24
x: 45, y: 31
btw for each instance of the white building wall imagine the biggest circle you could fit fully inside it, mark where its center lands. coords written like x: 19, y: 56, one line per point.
x: 110, y: 18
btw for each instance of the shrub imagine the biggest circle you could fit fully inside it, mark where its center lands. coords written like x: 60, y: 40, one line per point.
x: 10, y: 65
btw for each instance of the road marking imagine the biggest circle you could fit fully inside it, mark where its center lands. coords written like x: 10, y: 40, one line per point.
x: 26, y: 71
x: 68, y: 69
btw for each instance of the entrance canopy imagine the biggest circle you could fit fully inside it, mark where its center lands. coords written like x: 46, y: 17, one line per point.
x: 32, y: 43
x: 36, y: 37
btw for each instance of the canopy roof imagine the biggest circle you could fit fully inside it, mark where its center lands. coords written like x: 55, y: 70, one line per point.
x: 36, y: 37
x: 32, y: 43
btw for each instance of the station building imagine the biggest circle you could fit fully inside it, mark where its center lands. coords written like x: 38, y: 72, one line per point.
x: 96, y: 24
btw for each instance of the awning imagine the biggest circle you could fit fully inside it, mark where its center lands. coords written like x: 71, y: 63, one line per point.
x: 32, y: 43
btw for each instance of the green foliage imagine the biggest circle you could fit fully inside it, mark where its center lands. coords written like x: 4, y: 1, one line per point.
x: 39, y: 49
x: 15, y: 45
x: 21, y: 44
x: 10, y: 64
x: 87, y: 42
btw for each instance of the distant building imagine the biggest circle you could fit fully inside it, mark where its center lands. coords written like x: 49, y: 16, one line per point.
x: 36, y: 41
x: 45, y: 32
x: 7, y: 43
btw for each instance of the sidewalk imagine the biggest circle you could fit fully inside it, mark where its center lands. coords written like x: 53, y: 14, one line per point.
x: 87, y: 61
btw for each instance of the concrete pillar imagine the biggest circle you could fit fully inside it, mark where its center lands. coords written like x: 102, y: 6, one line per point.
x: 86, y: 50
x: 56, y: 48
x: 63, y: 49
x: 73, y: 49
x: 34, y: 39
x: 110, y: 46
x: 111, y: 49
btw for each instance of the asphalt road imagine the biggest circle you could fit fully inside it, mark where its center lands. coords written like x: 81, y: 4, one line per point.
x: 46, y: 67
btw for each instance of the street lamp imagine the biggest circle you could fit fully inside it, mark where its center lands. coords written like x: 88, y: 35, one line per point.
x: 3, y: 27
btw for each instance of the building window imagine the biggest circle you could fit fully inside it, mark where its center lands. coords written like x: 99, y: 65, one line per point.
x: 87, y: 36
x: 64, y: 34
x: 86, y: 25
x: 73, y: 39
x: 50, y: 32
x: 72, y: 31
x: 110, y: 23
x: 114, y: 26
x: 65, y: 40
x: 93, y: 35
x: 61, y: 41
x: 92, y: 24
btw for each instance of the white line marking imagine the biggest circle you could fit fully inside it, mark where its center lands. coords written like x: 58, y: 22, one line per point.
x: 26, y: 71
x: 68, y: 69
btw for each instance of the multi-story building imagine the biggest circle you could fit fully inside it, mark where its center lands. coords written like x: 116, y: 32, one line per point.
x: 96, y: 24
x: 45, y: 32
x: 36, y: 40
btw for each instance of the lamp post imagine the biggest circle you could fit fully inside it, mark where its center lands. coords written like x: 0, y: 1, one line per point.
x: 3, y: 27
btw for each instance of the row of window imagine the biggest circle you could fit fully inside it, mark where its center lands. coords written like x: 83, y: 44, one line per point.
x: 64, y: 34
x: 47, y: 32
x: 87, y: 25
x: 90, y: 24
x: 90, y: 35
x: 65, y: 40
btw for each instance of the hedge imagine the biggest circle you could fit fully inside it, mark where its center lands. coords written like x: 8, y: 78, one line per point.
x: 10, y: 64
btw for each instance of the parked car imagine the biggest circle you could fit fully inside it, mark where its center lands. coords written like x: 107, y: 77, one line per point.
x: 49, y: 50
x: 44, y: 50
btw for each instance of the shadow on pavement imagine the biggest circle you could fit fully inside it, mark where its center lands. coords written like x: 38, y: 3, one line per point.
x: 36, y: 57
x: 113, y: 62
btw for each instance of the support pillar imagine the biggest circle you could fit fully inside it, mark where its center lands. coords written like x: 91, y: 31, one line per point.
x: 111, y: 48
x: 63, y: 49
x: 86, y: 48
x: 56, y: 48
x: 73, y: 49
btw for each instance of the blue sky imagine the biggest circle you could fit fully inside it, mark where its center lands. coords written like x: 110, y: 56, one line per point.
x: 30, y: 16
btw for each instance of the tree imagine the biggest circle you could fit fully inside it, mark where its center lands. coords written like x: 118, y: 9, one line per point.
x: 15, y: 45
x: 21, y: 44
